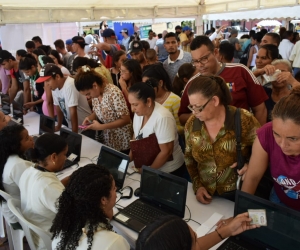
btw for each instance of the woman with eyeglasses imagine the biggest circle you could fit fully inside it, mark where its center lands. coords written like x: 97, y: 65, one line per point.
x: 152, y: 118
x: 210, y: 154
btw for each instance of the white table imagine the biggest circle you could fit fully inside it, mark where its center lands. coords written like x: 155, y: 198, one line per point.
x: 89, y: 153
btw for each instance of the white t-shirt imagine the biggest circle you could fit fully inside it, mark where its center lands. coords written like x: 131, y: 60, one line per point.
x: 163, y: 124
x: 67, y: 97
x: 39, y: 192
x: 285, y: 48
x: 152, y: 42
x: 65, y: 71
x: 103, y: 239
x: 13, y: 170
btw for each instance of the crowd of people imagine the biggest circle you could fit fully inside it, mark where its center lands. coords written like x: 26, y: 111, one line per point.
x: 183, y: 88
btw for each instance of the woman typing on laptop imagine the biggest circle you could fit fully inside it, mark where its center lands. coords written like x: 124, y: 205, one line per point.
x: 278, y: 145
x: 83, y: 218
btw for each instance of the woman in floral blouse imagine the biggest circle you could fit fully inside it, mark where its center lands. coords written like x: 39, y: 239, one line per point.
x: 210, y: 153
x: 109, y: 107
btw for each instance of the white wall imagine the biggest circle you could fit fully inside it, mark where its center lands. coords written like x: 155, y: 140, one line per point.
x: 14, y: 36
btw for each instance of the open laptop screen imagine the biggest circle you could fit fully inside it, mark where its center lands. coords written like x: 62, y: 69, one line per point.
x: 165, y: 190
x: 47, y: 124
x: 283, y: 224
x: 74, y: 142
x: 115, y: 162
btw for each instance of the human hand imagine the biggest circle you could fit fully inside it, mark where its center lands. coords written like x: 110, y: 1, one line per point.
x: 283, y: 77
x: 203, y: 196
x: 94, y: 126
x: 28, y: 105
x: 242, y: 172
x: 137, y: 170
x: 240, y: 224
x: 57, y: 128
x: 269, y: 69
x: 222, y: 223
x: 86, y: 121
x: 122, y: 83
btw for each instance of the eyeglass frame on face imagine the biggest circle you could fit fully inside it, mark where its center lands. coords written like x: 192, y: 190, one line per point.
x: 203, y: 60
x: 198, y: 109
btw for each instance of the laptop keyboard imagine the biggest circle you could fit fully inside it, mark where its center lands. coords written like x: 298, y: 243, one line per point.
x: 229, y: 245
x: 68, y: 164
x: 143, y: 211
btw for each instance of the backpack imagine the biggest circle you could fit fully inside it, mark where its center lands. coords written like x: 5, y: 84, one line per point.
x: 245, y: 56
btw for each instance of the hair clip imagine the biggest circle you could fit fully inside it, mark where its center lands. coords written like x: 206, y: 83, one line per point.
x: 85, y: 68
x: 149, y: 83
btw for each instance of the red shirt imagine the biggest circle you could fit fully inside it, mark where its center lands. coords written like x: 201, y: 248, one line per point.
x: 245, y: 89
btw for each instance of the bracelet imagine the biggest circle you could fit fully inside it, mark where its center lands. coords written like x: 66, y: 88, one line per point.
x: 219, y: 235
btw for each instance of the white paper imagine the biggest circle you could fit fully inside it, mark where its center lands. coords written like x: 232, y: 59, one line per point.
x: 209, y: 224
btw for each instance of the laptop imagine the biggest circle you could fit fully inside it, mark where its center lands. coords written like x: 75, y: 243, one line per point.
x: 16, y: 115
x: 116, y: 162
x: 47, y: 125
x: 282, y: 230
x: 160, y: 194
x: 74, y: 141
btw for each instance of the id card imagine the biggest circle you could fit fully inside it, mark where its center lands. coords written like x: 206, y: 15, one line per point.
x: 258, y: 217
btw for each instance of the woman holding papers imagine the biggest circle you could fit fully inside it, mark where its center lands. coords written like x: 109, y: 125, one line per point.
x: 85, y: 209
x: 210, y: 153
x: 278, y: 145
x: 153, y: 118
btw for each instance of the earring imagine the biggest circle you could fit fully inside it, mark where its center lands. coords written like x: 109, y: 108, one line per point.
x: 53, y: 162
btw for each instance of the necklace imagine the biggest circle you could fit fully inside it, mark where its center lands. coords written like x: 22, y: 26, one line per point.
x: 161, y: 100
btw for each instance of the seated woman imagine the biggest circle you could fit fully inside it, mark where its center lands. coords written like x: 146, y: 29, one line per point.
x: 280, y: 87
x: 277, y: 145
x: 109, y: 107
x: 265, y: 55
x: 40, y: 188
x: 173, y: 233
x: 4, y: 120
x: 99, y: 68
x: 29, y: 66
x: 83, y: 216
x: 210, y: 153
x: 14, y: 141
x: 160, y: 80
x: 185, y: 72
x: 151, y: 117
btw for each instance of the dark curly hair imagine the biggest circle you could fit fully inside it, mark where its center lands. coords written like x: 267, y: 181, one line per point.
x: 79, y: 206
x: 10, y: 144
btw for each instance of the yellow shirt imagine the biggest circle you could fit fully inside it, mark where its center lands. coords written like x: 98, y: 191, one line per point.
x: 183, y: 37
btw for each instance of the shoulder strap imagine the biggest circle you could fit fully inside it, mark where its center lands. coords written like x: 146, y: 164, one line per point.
x: 238, y: 135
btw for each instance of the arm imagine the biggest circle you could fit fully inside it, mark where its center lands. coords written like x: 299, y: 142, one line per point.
x: 260, y: 113
x: 184, y: 117
x: 28, y: 105
x: 102, y: 46
x: 250, y: 56
x: 119, y: 123
x: 26, y: 93
x: 268, y: 69
x: 166, y: 150
x: 175, y: 107
x: 74, y: 118
x: 60, y: 117
x: 13, y: 90
x: 49, y: 100
x: 256, y: 168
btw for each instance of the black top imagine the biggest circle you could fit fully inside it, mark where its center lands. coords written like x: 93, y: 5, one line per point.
x: 269, y: 103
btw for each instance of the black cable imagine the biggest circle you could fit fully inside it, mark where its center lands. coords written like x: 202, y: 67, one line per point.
x: 190, y: 218
x: 132, y: 173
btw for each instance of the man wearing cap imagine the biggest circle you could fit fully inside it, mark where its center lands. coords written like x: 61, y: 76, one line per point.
x: 18, y: 78
x: 67, y: 100
x: 71, y: 58
x: 151, y: 39
x: 109, y: 45
x: 136, y: 52
x: 126, y: 38
x: 184, y: 38
x: 60, y: 48
x: 78, y: 44
x: 237, y: 46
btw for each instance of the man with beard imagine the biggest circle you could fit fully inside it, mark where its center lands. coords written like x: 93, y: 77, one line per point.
x: 136, y: 52
x: 176, y: 57
x: 178, y: 30
x: 246, y: 91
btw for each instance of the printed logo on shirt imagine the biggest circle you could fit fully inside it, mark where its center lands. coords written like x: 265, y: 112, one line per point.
x: 290, y: 187
x: 62, y: 106
x: 231, y: 86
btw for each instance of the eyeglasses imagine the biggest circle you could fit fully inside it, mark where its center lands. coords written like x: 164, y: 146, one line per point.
x: 198, y: 109
x: 202, y: 60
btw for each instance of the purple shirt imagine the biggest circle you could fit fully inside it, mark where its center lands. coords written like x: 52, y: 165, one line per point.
x: 4, y: 79
x: 285, y: 170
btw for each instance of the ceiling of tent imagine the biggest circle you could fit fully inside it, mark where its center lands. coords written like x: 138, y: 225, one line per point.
x: 33, y: 11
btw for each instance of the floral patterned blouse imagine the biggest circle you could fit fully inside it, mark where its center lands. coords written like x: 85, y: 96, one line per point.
x: 111, y: 108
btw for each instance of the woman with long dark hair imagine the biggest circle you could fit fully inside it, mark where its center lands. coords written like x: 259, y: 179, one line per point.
x: 14, y: 142
x: 57, y: 60
x: 85, y: 209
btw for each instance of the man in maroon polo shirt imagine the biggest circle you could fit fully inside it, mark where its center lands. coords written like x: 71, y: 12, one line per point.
x: 246, y: 91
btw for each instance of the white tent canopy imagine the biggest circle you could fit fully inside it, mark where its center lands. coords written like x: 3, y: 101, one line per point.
x: 32, y: 11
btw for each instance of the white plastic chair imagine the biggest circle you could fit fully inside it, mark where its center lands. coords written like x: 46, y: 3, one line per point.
x: 15, y: 237
x: 15, y: 206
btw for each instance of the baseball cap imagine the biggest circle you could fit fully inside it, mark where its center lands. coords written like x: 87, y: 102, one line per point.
x: 185, y: 28
x: 136, y: 46
x: 108, y: 33
x: 69, y: 42
x: 5, y: 55
x: 46, y: 72
x: 79, y: 40
x: 125, y: 31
